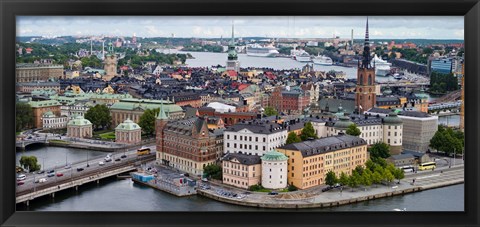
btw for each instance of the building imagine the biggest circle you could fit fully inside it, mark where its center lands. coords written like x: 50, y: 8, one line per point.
x: 110, y: 64
x: 392, y: 132
x: 41, y: 107
x: 400, y: 160
x: 229, y: 118
x: 295, y: 101
x: 50, y: 121
x: 365, y: 95
x: 309, y: 161
x: 79, y: 128
x: 134, y: 108
x: 128, y: 132
x: 241, y: 170
x: 29, y: 87
x: 232, y: 61
x: 254, y: 137
x: 186, y: 145
x: 418, y: 130
x: 442, y: 65
x: 27, y: 72
x: 274, y: 170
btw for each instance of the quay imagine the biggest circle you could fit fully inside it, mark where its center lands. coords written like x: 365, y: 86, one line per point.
x: 314, y: 198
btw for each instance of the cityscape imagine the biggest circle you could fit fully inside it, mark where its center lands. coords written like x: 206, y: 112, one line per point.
x: 239, y: 113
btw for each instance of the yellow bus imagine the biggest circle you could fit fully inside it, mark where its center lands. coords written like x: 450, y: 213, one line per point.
x: 143, y: 151
x: 427, y: 165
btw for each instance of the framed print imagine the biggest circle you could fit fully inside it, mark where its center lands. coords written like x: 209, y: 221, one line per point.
x: 214, y: 113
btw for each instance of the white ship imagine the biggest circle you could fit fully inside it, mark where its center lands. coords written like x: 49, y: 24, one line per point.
x: 259, y: 50
x: 300, y: 55
x: 382, y: 67
x: 322, y: 60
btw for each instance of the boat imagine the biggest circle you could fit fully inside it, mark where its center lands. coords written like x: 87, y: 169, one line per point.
x: 397, y: 76
x: 396, y: 209
x: 382, y: 67
x: 258, y: 50
x: 322, y: 60
x: 300, y: 55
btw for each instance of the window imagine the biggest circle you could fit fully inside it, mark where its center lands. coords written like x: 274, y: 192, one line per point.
x: 256, y: 139
x: 389, y: 141
x: 270, y: 170
x: 241, y: 137
x: 228, y: 137
x: 264, y: 140
x: 228, y: 144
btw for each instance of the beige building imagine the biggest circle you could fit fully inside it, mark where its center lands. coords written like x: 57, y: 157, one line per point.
x: 418, y: 130
x: 309, y: 161
x: 79, y: 128
x: 27, y: 72
x: 128, y: 132
x: 241, y: 170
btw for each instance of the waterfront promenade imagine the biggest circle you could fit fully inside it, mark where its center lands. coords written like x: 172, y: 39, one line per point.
x: 315, y: 198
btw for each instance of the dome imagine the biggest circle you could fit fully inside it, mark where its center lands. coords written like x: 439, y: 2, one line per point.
x: 274, y: 155
x: 79, y: 121
x: 392, y: 119
x: 128, y: 125
x: 344, y: 122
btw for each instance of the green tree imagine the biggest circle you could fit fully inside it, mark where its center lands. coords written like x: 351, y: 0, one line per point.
x: 30, y: 163
x: 379, y: 150
x: 376, y: 178
x: 147, y: 121
x: 293, y: 138
x: 331, y: 178
x: 292, y: 188
x: 354, y: 180
x: 343, y: 180
x: 353, y: 130
x: 100, y: 117
x: 388, y: 176
x: 213, y: 171
x: 23, y: 116
x: 270, y: 111
x: 359, y: 169
x: 370, y: 164
x: 398, y: 174
x: 308, y: 132
x: 367, y: 178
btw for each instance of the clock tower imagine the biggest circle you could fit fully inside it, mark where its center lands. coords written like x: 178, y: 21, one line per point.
x: 365, y: 96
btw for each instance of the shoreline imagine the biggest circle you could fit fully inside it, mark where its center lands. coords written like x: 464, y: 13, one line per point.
x: 331, y: 198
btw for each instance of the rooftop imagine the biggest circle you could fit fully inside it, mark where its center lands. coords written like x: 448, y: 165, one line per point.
x: 325, y: 145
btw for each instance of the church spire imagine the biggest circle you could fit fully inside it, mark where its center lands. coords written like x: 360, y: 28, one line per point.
x: 161, y: 113
x: 366, y: 51
x: 233, y: 35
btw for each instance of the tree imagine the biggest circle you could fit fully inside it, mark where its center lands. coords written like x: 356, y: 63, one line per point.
x: 370, y: 164
x: 359, y: 169
x: 270, y: 111
x: 367, y: 178
x: 379, y: 150
x: 293, y: 138
x: 147, y: 121
x: 376, y: 178
x: 23, y: 116
x: 448, y: 140
x: 213, y: 171
x: 30, y: 163
x: 398, y: 174
x: 353, y: 130
x: 292, y: 188
x: 354, y: 180
x: 331, y: 178
x: 308, y: 132
x: 343, y: 180
x: 100, y: 117
x: 388, y: 176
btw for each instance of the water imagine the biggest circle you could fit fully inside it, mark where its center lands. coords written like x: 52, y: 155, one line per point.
x: 105, y: 197
x: 453, y: 120
x: 208, y: 59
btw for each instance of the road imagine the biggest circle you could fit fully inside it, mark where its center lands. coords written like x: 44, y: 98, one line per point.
x: 72, y: 172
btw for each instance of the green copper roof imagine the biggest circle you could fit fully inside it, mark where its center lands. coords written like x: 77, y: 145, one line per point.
x: 79, y: 121
x: 161, y: 114
x: 128, y: 125
x: 274, y: 155
x: 392, y: 119
x: 344, y: 122
x: 131, y: 104
x: 44, y: 103
x: 48, y: 114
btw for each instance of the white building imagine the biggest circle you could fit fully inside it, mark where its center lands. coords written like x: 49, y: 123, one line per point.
x: 50, y: 121
x: 222, y: 108
x: 254, y: 137
x: 73, y: 110
x: 274, y: 170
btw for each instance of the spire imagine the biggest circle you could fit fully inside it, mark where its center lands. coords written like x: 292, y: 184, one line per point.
x: 233, y: 35
x: 161, y: 113
x: 366, y: 51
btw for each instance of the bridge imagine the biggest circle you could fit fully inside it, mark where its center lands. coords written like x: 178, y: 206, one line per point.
x: 405, y: 84
x: 450, y: 97
x: 72, y: 178
x: 24, y: 143
x: 445, y: 106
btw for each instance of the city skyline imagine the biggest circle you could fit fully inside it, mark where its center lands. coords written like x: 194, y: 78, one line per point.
x: 381, y: 27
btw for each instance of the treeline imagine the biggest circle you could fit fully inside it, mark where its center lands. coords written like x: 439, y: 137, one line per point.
x: 203, y: 48
x: 447, y: 140
x: 442, y: 83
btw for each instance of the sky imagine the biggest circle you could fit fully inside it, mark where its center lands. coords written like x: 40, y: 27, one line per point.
x: 380, y: 27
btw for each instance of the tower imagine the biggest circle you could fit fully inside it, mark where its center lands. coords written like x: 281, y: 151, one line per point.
x: 365, y: 97
x: 232, y: 60
x: 110, y: 62
x: 160, y: 123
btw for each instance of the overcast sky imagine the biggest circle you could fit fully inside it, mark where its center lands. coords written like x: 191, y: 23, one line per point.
x: 381, y: 27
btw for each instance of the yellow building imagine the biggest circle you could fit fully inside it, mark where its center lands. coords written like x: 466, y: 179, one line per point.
x: 309, y: 161
x: 241, y: 170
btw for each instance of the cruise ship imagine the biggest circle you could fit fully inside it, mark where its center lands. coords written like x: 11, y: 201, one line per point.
x: 259, y: 50
x: 300, y: 55
x: 322, y: 60
x: 382, y: 67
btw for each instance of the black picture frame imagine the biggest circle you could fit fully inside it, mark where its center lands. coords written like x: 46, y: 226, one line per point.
x: 470, y: 9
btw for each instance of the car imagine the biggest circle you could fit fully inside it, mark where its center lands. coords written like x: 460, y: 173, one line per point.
x: 328, y: 188
x: 101, y: 163
x: 20, y: 183
x: 21, y: 177
x: 42, y: 180
x: 50, y: 174
x: 273, y: 193
x: 41, y: 172
x: 118, y: 160
x: 123, y: 156
x: 204, y: 179
x: 337, y: 185
x: 68, y: 166
x: 59, y: 174
x: 108, y: 160
x: 51, y: 171
x: 79, y: 169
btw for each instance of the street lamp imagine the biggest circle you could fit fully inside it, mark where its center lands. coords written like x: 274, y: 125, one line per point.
x: 87, y: 159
